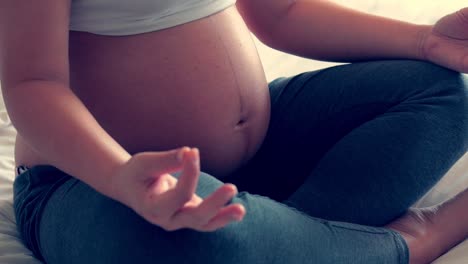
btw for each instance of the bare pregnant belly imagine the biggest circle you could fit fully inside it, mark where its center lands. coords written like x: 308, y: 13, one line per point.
x: 200, y: 84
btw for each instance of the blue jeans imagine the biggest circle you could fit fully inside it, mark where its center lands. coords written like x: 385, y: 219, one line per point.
x: 348, y: 149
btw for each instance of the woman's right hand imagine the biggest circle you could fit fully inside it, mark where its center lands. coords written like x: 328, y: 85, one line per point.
x: 144, y: 184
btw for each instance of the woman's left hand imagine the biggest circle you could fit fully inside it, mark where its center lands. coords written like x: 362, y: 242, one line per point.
x: 446, y: 43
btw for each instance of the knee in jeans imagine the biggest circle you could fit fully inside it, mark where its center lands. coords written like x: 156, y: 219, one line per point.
x: 437, y: 78
x: 425, y: 70
x: 442, y: 87
x: 453, y: 95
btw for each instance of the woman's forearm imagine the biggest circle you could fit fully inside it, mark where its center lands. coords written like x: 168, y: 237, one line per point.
x: 323, y: 30
x: 57, y: 125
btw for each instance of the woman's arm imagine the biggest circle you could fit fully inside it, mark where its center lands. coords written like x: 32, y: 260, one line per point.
x: 323, y: 30
x: 35, y: 84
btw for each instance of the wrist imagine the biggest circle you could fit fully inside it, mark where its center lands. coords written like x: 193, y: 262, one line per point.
x: 423, y: 33
x: 108, y: 172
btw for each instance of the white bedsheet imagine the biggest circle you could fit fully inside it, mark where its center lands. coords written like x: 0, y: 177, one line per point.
x: 12, y: 250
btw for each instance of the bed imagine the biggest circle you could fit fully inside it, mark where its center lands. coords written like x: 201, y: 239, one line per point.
x: 276, y: 64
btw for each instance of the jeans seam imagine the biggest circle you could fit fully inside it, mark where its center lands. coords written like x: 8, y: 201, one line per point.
x: 403, y: 255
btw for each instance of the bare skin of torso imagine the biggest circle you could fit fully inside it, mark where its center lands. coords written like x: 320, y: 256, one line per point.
x: 200, y: 84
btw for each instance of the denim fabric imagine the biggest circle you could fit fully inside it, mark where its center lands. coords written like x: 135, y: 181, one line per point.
x: 362, y: 142
x: 348, y: 149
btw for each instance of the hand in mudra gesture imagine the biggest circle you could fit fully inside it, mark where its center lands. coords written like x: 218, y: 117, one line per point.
x: 446, y: 43
x: 145, y: 185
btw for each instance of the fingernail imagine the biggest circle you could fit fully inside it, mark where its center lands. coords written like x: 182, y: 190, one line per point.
x: 195, y: 156
x: 233, y: 187
x: 236, y: 217
x: 180, y: 154
x: 196, y: 151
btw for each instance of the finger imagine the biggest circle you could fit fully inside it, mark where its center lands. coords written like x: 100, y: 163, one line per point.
x: 226, y: 216
x: 454, y: 25
x: 163, y: 215
x: 168, y: 203
x: 201, y: 214
x: 158, y: 196
x: 163, y: 206
x: 165, y: 182
x: 164, y: 161
x: 188, y: 180
x: 216, y: 201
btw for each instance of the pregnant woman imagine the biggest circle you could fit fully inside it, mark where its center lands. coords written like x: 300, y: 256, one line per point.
x: 147, y: 132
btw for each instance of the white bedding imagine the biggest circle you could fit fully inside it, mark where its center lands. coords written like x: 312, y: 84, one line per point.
x: 276, y: 64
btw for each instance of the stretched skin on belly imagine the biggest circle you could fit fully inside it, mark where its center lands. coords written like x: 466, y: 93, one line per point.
x: 200, y: 84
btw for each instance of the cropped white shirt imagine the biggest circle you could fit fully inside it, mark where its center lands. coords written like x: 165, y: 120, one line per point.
x: 128, y: 17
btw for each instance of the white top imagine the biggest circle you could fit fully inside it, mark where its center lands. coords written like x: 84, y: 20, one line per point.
x: 128, y: 17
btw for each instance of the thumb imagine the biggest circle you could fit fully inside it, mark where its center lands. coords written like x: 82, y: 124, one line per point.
x: 163, y: 161
x: 454, y: 25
